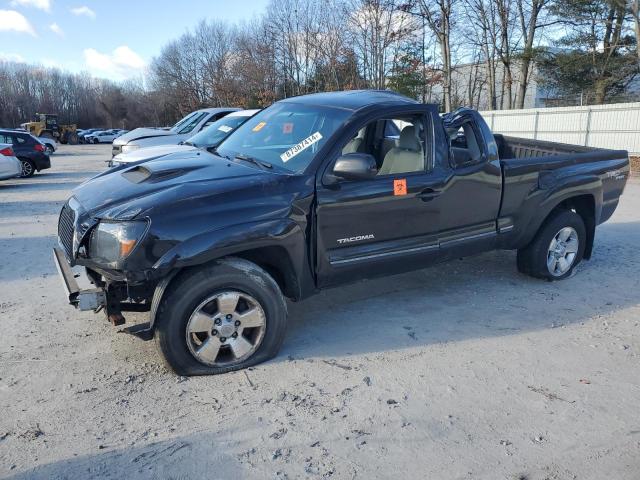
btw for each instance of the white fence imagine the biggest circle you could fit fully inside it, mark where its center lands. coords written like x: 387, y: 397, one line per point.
x: 615, y: 126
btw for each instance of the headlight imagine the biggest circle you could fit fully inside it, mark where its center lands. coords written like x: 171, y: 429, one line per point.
x: 111, y: 242
x: 129, y: 148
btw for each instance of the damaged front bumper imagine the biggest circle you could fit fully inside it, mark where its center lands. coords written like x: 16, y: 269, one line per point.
x: 88, y: 299
x: 96, y: 299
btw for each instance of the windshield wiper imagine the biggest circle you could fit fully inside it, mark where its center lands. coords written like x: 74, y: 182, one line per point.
x: 253, y: 160
x: 187, y: 142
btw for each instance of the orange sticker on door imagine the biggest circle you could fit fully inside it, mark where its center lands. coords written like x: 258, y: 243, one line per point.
x: 400, y: 186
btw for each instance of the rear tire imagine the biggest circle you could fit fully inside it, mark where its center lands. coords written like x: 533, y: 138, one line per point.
x: 222, y: 291
x: 28, y: 168
x: 72, y: 139
x: 48, y: 149
x: 557, y: 248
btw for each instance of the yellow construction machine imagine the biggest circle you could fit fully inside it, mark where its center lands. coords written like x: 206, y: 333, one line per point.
x: 46, y: 125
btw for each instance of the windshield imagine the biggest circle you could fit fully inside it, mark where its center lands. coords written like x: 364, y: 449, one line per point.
x: 192, y: 123
x: 217, y: 131
x: 285, y: 135
x: 188, y: 120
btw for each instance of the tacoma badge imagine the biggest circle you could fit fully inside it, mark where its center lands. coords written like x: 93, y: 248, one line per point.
x: 359, y: 238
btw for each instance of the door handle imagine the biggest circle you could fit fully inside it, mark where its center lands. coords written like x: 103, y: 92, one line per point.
x: 428, y: 194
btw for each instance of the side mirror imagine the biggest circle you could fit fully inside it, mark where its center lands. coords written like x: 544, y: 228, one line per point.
x: 355, y: 166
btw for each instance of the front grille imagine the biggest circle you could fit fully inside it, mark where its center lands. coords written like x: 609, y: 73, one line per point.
x: 65, y: 229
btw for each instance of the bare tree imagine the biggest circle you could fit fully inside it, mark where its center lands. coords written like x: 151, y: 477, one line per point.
x: 439, y: 16
x: 481, y: 18
x: 378, y: 28
x: 530, y: 16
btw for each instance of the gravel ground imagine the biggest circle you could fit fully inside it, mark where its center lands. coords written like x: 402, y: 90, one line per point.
x: 463, y: 371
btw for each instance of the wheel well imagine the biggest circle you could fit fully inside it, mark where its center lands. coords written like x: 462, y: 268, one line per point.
x: 585, y: 206
x: 276, y: 262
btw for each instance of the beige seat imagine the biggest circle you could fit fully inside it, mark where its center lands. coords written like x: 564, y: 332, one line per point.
x: 356, y: 144
x: 406, y: 157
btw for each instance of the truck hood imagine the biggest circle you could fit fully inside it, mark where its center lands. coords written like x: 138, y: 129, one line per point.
x: 141, y: 133
x: 128, y: 192
x: 150, y: 153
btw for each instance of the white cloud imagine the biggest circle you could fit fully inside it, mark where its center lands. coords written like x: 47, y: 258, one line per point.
x: 83, y: 11
x: 39, y: 4
x: 121, y: 63
x: 11, y: 57
x: 55, y: 28
x: 12, y: 21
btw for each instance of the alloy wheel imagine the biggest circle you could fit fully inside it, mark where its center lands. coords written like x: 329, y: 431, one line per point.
x: 562, y: 252
x: 27, y: 168
x: 226, y: 328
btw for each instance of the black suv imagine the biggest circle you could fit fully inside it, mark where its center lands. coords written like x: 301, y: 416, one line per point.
x: 31, y: 153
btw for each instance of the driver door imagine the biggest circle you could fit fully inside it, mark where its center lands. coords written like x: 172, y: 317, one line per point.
x: 388, y: 223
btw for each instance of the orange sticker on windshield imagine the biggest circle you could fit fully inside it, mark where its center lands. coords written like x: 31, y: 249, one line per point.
x: 400, y: 186
x: 259, y: 126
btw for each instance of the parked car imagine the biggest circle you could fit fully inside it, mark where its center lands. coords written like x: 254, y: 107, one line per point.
x: 105, y: 136
x: 28, y: 150
x: 209, y: 138
x: 313, y: 192
x: 185, y: 128
x: 82, y: 134
x: 49, y: 144
x: 10, y: 166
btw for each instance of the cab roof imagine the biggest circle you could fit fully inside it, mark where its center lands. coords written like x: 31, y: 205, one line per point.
x: 353, y: 99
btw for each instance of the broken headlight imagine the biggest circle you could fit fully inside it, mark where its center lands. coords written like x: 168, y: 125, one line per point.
x: 112, y: 242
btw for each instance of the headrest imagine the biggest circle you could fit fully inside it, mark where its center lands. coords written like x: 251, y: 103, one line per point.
x: 408, y: 139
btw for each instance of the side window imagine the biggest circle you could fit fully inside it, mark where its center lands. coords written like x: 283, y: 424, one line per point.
x: 398, y: 144
x: 466, y: 145
x: 18, y: 140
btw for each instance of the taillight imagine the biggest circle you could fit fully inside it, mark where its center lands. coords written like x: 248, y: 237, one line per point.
x: 7, y: 152
x: 39, y: 147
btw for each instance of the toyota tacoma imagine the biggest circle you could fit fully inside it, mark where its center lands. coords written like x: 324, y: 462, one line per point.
x: 313, y: 192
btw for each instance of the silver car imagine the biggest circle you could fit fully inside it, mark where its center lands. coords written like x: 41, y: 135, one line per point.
x: 10, y: 166
x: 185, y: 128
x: 209, y: 138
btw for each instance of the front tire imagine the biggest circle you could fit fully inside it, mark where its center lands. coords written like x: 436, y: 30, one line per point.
x: 220, y: 317
x: 557, y: 248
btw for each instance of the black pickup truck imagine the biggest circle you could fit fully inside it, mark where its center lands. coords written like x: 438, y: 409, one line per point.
x: 314, y: 192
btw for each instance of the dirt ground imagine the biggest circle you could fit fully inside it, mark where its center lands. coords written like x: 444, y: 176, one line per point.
x: 468, y: 370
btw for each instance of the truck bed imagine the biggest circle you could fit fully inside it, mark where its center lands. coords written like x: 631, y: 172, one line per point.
x: 537, y: 173
x: 514, y: 147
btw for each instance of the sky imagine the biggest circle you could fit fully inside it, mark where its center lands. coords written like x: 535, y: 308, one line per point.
x: 113, y: 39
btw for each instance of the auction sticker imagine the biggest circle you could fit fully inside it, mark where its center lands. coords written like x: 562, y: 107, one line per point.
x: 300, y: 147
x: 225, y: 128
x: 259, y: 126
x: 287, y: 127
x: 400, y: 186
